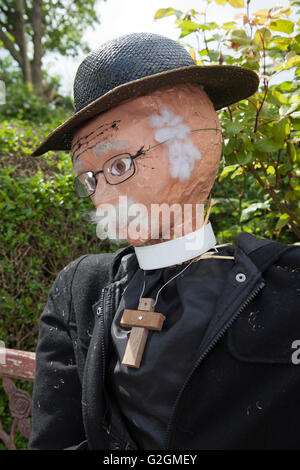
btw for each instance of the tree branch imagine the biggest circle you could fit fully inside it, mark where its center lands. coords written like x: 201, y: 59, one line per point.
x: 21, y: 31
x: 9, y: 45
x: 35, y: 17
x: 226, y: 195
x: 283, y: 209
x: 8, y: 19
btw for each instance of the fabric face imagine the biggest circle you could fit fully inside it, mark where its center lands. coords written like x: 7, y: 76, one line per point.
x: 181, y: 127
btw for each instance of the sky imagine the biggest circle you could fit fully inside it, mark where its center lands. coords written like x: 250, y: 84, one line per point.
x: 119, y: 17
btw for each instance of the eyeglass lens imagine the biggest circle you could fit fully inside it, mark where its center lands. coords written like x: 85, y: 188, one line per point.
x: 117, y: 169
x: 85, y: 184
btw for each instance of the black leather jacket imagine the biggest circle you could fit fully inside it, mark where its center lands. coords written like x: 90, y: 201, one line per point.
x: 242, y: 391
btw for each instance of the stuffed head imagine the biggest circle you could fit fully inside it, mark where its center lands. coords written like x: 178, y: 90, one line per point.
x: 158, y: 155
x: 145, y: 137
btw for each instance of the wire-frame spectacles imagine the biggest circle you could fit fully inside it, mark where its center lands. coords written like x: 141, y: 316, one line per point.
x: 116, y: 169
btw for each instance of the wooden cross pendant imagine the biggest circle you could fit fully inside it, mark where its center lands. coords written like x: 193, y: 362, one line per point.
x: 140, y: 321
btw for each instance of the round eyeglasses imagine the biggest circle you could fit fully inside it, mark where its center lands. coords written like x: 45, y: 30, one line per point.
x: 116, y: 169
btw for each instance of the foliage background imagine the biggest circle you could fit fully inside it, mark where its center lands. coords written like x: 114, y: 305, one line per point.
x: 44, y: 226
x: 258, y: 183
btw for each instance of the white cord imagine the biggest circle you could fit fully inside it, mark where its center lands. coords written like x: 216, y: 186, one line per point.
x: 156, y: 298
x: 216, y: 246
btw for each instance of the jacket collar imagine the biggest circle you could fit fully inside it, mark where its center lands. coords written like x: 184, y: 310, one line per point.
x: 249, y: 243
x: 244, y: 240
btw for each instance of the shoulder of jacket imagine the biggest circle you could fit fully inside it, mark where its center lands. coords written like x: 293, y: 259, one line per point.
x: 80, y: 282
x: 251, y: 244
x: 291, y: 257
x: 85, y: 267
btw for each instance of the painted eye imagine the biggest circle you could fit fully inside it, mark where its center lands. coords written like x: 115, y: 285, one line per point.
x: 120, y: 166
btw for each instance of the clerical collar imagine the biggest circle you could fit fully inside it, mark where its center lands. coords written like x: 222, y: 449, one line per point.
x: 176, y: 251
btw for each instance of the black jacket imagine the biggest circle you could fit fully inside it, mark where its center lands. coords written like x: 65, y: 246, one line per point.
x: 242, y: 392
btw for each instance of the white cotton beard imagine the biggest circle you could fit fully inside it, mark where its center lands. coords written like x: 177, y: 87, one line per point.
x: 182, y: 153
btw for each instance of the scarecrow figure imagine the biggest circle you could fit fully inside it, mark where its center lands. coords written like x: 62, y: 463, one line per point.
x: 173, y: 342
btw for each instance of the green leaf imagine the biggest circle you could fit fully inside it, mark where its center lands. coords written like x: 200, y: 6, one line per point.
x: 293, y: 62
x: 280, y: 130
x: 271, y: 170
x: 280, y: 97
x: 263, y: 36
x: 294, y: 182
x: 285, y: 86
x: 282, y: 221
x: 267, y: 144
x: 240, y: 37
x: 252, y: 63
x: 163, y: 12
x: 284, y: 26
x: 221, y: 2
x: 234, y: 127
x: 230, y: 158
x: 269, y: 112
x: 237, y: 172
x: 237, y: 3
x: 188, y: 27
x: 246, y: 213
x: 292, y: 152
x: 213, y: 55
x: 288, y: 109
x: 228, y: 169
x: 229, y: 25
x: 283, y: 43
x: 244, y: 157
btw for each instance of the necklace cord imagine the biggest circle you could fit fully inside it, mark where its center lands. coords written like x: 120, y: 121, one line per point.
x: 156, y: 298
x: 203, y: 256
x: 158, y: 292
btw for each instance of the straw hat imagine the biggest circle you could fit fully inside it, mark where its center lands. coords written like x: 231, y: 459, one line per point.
x: 134, y: 65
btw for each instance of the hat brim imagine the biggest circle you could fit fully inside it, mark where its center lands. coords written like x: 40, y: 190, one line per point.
x: 224, y: 84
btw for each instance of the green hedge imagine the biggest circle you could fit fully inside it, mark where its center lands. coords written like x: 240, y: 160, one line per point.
x: 43, y: 227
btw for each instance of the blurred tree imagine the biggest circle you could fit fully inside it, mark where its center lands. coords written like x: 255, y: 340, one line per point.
x: 24, y: 104
x: 30, y: 28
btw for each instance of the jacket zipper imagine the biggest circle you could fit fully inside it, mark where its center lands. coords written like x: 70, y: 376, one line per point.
x: 101, y: 311
x: 204, y: 354
x: 106, y: 305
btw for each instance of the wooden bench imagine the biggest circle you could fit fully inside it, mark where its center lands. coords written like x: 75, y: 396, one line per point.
x: 15, y: 364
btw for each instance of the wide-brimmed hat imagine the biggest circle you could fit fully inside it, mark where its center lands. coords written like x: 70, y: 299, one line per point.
x: 136, y: 64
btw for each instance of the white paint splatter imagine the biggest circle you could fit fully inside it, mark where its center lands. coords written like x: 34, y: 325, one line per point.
x: 105, y: 147
x: 77, y: 165
x: 182, y: 152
